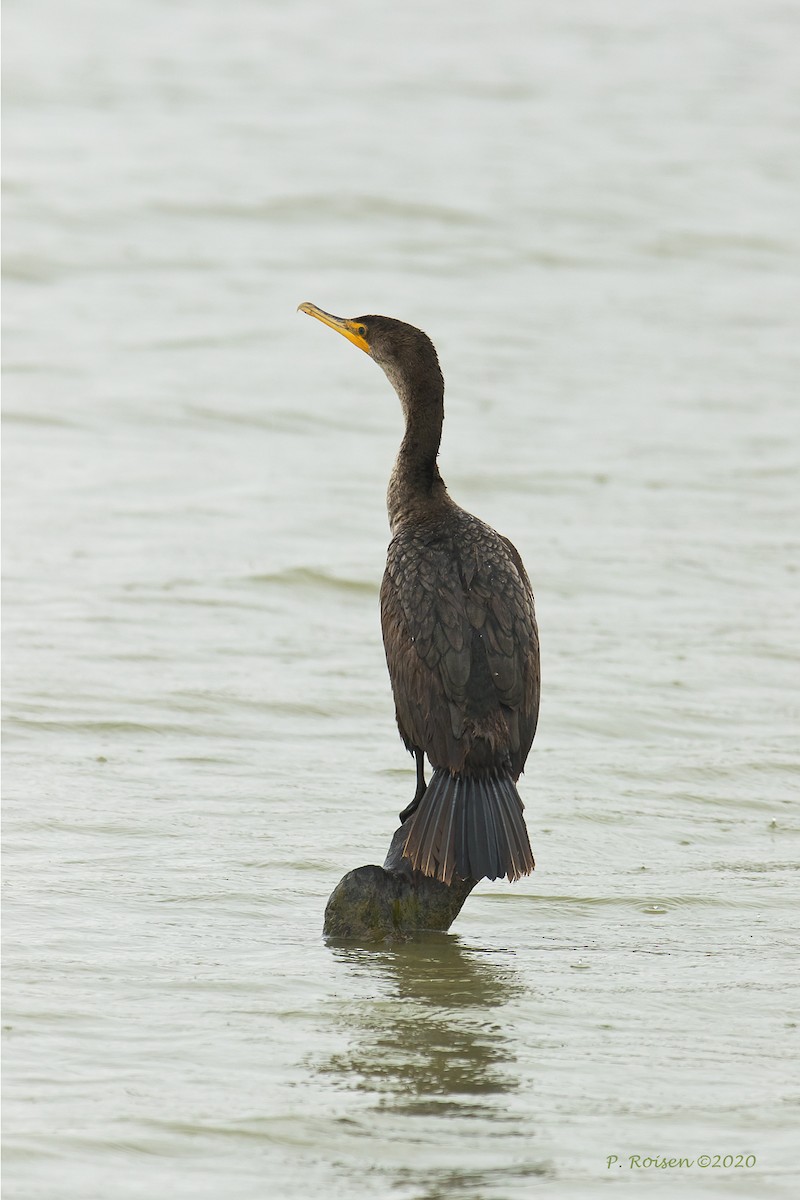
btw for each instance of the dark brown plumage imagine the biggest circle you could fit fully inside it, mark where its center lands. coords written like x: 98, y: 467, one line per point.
x: 460, y: 635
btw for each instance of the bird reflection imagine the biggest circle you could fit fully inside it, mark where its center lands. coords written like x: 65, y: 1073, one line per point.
x: 428, y: 1037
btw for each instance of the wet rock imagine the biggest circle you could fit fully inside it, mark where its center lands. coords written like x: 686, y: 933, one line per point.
x: 373, y: 903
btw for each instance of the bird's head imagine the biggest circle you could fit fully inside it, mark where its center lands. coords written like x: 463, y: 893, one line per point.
x: 405, y: 353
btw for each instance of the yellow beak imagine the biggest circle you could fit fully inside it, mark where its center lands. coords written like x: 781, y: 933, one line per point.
x: 354, y: 332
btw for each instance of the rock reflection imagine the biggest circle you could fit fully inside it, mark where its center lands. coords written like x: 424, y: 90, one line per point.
x: 429, y: 1038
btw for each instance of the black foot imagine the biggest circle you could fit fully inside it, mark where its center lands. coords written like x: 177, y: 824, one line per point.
x: 410, y: 809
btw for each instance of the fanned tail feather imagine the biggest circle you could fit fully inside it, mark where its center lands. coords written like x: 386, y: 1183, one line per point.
x: 470, y: 826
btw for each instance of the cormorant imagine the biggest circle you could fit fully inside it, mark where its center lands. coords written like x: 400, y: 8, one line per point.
x: 460, y: 635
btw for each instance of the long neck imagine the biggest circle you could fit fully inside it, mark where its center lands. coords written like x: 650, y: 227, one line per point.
x: 416, y: 488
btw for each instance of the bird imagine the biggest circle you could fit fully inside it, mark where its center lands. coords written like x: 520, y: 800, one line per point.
x: 460, y: 636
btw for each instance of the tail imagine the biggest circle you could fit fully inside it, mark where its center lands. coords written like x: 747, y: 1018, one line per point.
x: 472, y: 827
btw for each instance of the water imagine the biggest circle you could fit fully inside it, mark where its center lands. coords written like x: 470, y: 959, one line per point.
x: 592, y: 209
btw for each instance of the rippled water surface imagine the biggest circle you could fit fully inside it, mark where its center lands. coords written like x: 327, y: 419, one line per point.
x: 592, y: 209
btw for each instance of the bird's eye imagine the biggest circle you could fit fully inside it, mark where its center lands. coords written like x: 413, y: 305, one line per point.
x: 362, y: 331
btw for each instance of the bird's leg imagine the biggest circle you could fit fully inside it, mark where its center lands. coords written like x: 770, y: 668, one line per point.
x: 421, y: 786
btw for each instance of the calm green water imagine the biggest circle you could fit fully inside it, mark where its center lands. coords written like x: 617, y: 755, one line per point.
x: 592, y: 209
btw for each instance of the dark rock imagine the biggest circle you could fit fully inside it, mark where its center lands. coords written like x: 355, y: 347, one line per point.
x: 393, y: 901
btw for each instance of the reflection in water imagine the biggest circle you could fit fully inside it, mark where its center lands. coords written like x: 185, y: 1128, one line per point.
x: 429, y: 1043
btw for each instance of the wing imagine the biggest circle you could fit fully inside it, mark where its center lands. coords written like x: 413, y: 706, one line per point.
x: 461, y: 644
x: 526, y: 637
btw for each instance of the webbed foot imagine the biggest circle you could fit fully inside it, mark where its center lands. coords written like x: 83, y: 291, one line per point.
x: 411, y: 808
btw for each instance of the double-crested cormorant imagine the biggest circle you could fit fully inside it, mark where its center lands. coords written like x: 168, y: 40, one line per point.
x: 460, y: 635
